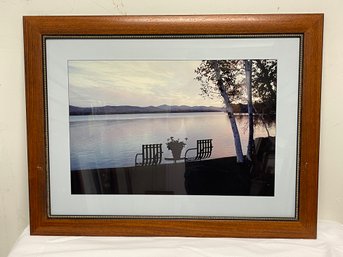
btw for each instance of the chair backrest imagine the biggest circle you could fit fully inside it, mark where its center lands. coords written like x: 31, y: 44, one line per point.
x: 151, y: 154
x: 204, y: 149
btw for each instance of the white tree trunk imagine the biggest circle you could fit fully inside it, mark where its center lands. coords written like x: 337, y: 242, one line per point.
x: 251, y: 144
x: 235, y: 132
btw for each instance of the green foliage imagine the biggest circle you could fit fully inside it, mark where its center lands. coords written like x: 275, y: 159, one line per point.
x: 232, y: 75
x: 207, y: 76
x: 264, y: 80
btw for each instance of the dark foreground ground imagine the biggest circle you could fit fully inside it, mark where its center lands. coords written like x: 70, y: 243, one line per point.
x: 222, y: 176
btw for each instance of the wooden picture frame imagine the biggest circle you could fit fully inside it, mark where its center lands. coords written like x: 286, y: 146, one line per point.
x: 308, y: 28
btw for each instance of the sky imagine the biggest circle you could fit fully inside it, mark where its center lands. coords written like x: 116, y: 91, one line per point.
x: 136, y: 83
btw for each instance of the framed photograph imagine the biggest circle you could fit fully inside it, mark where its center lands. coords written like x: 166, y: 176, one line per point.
x: 174, y: 125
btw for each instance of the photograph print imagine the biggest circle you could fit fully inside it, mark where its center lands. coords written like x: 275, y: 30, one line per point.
x: 202, y: 127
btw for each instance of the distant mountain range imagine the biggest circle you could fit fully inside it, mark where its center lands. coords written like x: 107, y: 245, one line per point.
x: 126, y: 109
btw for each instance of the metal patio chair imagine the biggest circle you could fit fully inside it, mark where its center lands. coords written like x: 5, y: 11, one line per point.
x: 203, y: 150
x: 151, y: 155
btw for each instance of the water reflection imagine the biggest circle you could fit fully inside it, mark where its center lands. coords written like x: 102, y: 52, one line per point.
x: 112, y: 141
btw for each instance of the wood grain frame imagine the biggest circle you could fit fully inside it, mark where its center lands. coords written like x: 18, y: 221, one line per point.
x: 309, y: 25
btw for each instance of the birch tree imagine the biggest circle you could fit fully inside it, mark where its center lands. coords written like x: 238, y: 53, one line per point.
x: 220, y: 76
x: 251, y: 82
x: 248, y: 82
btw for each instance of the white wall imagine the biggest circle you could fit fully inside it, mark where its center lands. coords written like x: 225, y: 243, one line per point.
x: 13, y: 161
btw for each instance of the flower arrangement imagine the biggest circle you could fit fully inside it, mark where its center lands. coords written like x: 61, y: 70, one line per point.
x: 175, y: 143
x: 176, y: 146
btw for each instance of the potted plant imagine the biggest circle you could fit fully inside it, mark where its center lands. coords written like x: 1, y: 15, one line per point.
x: 176, y: 146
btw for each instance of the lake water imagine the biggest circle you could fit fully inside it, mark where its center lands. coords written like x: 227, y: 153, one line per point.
x: 109, y: 141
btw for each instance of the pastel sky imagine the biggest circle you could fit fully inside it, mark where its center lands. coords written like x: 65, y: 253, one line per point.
x: 138, y: 83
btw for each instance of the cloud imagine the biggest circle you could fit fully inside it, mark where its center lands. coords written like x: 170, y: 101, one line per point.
x: 142, y: 83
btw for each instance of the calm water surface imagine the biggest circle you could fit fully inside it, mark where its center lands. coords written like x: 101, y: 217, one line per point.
x: 109, y: 141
